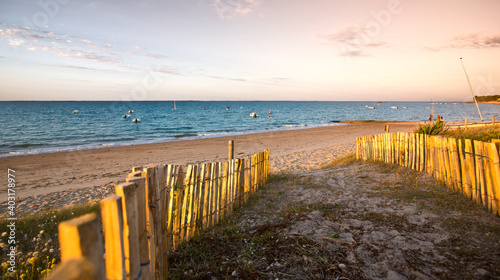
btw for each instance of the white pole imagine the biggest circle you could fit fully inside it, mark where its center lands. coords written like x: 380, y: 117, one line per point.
x: 473, y: 96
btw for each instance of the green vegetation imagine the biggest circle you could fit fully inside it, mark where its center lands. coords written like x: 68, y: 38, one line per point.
x: 488, y: 98
x: 431, y: 128
x: 485, y: 134
x: 37, y: 242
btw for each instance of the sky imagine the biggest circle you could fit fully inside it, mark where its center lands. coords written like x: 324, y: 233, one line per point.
x: 336, y: 50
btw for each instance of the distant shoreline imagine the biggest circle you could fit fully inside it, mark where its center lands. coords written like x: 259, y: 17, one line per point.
x: 490, y: 102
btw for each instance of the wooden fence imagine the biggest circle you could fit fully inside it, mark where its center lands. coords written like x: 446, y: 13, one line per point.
x: 158, y: 208
x: 471, y: 168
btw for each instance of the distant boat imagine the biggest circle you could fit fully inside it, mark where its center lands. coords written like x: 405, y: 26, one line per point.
x: 130, y: 111
x: 175, y: 108
x: 269, y: 113
x: 136, y: 120
x: 125, y: 116
x: 227, y: 108
x: 75, y: 111
x: 394, y: 107
x: 370, y: 107
x: 405, y: 107
x: 253, y: 115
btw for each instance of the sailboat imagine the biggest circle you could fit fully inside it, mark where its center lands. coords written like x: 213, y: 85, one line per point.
x: 175, y: 108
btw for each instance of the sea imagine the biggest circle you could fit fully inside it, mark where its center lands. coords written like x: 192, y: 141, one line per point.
x: 32, y: 127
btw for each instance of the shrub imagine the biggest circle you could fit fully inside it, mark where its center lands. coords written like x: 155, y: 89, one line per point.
x: 431, y: 128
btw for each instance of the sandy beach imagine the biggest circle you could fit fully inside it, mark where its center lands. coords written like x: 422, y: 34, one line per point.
x: 65, y: 178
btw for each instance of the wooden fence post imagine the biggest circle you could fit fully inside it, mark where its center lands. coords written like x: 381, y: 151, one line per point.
x: 488, y: 180
x: 179, y: 194
x: 495, y: 175
x: 79, y: 238
x: 463, y: 171
x: 190, y: 182
x: 230, y: 155
x: 183, y: 209
x: 203, y: 196
x: 112, y: 224
x: 75, y: 269
x: 211, y: 208
x: 455, y: 165
x: 152, y: 185
x: 470, y: 166
x: 215, y: 187
x: 480, y: 183
x: 172, y: 182
x: 224, y: 193
x: 144, y: 253
x: 130, y: 229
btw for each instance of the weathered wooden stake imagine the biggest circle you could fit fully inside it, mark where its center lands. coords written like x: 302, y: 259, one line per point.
x: 79, y: 239
x: 230, y: 155
x: 140, y: 193
x: 130, y: 229
x: 112, y: 224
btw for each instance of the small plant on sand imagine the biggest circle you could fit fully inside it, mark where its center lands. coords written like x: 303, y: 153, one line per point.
x: 431, y: 128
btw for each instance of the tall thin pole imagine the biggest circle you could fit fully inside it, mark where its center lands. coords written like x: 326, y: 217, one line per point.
x: 473, y: 96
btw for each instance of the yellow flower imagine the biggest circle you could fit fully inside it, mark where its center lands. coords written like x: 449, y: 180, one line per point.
x: 33, y: 260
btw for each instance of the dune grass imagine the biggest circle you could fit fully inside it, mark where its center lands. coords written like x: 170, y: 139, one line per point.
x: 37, y: 242
x: 485, y: 134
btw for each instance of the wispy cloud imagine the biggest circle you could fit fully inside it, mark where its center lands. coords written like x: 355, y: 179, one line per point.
x: 353, y: 41
x: 475, y: 40
x: 16, y: 42
x: 232, y: 8
x: 69, y: 46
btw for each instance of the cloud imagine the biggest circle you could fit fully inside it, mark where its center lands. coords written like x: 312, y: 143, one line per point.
x: 16, y: 42
x: 88, y: 43
x: 475, y: 40
x: 69, y: 46
x: 232, y: 8
x: 354, y: 41
x: 156, y: 55
x: 75, y: 67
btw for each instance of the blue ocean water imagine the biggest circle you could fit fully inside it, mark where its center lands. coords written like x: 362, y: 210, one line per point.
x: 38, y: 127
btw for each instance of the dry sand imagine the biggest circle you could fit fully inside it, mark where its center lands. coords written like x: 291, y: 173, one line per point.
x: 65, y: 178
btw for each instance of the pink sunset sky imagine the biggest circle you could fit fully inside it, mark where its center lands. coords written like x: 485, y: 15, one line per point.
x: 333, y: 50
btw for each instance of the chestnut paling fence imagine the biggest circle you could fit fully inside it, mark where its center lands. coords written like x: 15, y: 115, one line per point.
x: 469, y: 167
x: 157, y: 208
